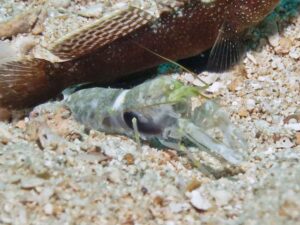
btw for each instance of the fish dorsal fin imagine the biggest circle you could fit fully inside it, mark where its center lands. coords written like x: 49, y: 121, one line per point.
x: 101, y: 33
x: 228, y: 48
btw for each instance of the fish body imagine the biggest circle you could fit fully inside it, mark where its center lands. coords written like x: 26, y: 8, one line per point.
x: 118, y: 45
x: 177, y: 34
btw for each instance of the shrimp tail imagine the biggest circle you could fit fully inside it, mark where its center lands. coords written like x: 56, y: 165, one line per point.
x: 210, y: 115
x: 201, y: 139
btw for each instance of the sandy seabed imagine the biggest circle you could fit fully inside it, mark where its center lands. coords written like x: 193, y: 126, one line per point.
x: 54, y: 172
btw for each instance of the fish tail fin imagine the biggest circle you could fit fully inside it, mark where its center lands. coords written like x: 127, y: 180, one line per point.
x: 25, y: 82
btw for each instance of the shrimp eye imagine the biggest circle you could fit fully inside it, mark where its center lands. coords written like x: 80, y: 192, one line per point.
x: 145, y: 125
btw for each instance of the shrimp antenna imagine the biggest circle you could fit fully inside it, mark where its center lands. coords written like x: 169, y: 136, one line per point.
x: 174, y: 63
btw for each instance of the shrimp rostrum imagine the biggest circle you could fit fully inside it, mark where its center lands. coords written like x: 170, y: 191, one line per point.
x: 158, y: 109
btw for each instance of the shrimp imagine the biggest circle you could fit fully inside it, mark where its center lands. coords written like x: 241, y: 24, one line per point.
x: 159, y: 109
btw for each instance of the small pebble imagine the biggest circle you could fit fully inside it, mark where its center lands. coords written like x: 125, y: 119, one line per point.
x: 295, y: 53
x: 48, y: 209
x: 215, y: 87
x: 252, y: 58
x: 158, y: 200
x: 274, y: 39
x: 284, y: 142
x: 129, y: 159
x: 28, y: 183
x: 233, y: 86
x: 189, y: 77
x: 60, y: 3
x: 284, y: 46
x: 94, y: 11
x: 293, y: 126
x: 192, y: 185
x: 179, y: 207
x: 222, y: 197
x: 250, y: 104
x: 243, y: 112
x: 198, y: 200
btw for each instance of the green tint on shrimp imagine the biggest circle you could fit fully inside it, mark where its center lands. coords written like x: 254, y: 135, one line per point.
x: 161, y: 109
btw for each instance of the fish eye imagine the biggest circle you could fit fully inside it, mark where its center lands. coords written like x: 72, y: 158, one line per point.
x: 145, y: 125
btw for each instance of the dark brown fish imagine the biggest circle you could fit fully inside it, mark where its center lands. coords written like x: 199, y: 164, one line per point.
x: 110, y: 49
